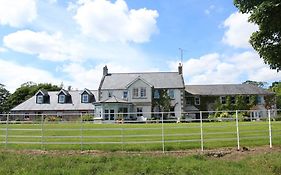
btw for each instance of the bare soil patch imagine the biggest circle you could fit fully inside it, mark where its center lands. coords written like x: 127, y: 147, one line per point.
x: 221, y: 153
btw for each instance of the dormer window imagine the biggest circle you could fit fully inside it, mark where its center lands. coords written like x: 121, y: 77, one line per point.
x: 85, y: 98
x: 61, y: 98
x: 40, y: 99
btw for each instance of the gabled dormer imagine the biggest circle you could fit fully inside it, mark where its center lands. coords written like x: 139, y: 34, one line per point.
x: 87, y: 96
x: 42, y: 97
x: 64, y: 97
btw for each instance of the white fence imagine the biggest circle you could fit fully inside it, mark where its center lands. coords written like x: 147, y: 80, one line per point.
x: 131, y: 131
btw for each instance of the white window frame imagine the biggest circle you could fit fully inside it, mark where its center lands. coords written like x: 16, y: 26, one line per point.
x: 125, y: 96
x: 171, y: 93
x: 197, y: 100
x: 260, y: 100
x: 40, y: 99
x: 85, y: 98
x: 135, y: 92
x: 139, y: 111
x: 142, y: 92
x: 156, y: 94
x: 221, y: 99
x: 61, y: 98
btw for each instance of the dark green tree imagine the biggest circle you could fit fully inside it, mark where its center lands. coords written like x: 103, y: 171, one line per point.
x: 267, y: 40
x: 260, y: 84
x: 4, y: 95
x: 27, y: 90
x: 276, y: 87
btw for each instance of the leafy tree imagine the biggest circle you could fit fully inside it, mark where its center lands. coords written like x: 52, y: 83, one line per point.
x: 163, y: 102
x: 256, y: 83
x: 267, y: 40
x: 27, y: 90
x: 276, y: 87
x: 4, y: 95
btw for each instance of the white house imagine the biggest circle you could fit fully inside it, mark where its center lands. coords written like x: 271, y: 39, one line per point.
x: 136, y: 93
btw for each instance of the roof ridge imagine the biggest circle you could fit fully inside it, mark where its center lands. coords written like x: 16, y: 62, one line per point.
x: 140, y: 72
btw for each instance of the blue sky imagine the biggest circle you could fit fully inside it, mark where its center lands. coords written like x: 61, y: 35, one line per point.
x: 70, y: 41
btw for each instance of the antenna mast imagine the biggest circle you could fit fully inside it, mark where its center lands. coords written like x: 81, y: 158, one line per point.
x: 181, y: 52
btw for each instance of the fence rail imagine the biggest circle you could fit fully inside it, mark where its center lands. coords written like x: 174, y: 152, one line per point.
x: 202, y: 129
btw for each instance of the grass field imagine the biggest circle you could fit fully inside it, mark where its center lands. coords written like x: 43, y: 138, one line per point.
x: 25, y: 163
x: 136, y: 137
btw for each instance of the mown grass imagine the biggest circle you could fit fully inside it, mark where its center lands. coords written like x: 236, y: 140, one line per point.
x: 136, y: 137
x: 21, y: 164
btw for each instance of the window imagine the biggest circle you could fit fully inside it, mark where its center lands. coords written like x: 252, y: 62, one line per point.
x: 156, y: 94
x: 143, y: 92
x: 85, y: 98
x: 247, y: 100
x: 223, y: 100
x: 125, y: 94
x: 61, y: 98
x: 106, y: 114
x: 259, y: 100
x: 197, y: 100
x: 139, y: 112
x: 171, y: 93
x: 135, y: 92
x: 109, y: 94
x: 40, y: 99
x: 232, y: 99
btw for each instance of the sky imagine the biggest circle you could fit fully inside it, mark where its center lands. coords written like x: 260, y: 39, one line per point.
x: 69, y: 41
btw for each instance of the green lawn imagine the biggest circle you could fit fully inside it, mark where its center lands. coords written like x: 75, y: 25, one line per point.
x: 136, y: 137
x: 55, y: 164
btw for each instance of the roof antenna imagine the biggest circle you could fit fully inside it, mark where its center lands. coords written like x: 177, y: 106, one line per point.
x: 181, y: 52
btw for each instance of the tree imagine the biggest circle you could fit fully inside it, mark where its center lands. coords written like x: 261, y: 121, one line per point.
x: 27, y: 90
x: 256, y: 83
x: 276, y: 87
x: 4, y: 95
x: 267, y: 40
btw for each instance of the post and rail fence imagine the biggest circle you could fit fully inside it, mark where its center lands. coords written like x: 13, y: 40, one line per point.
x: 161, y: 131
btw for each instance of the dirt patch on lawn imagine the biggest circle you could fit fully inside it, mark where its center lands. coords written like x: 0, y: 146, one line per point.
x: 221, y: 153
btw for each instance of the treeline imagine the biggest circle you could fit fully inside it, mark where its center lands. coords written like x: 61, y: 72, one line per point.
x: 25, y: 91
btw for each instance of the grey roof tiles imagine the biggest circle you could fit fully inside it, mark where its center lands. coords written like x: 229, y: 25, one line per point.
x: 156, y: 79
x: 226, y: 89
x: 31, y: 105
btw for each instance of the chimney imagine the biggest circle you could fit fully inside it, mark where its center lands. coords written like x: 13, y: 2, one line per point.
x: 105, y: 71
x: 180, y: 69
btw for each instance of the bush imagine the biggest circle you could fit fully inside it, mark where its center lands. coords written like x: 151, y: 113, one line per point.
x: 88, y: 117
x: 52, y: 118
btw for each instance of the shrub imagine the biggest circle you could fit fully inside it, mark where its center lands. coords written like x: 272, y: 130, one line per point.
x: 87, y: 117
x: 52, y: 118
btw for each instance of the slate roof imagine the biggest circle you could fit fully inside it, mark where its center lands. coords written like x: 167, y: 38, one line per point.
x: 30, y: 104
x: 156, y: 79
x: 226, y: 89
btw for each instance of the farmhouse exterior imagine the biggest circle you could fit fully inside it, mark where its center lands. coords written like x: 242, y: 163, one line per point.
x: 140, y: 95
x: 57, y: 103
x: 137, y: 92
x: 209, y: 97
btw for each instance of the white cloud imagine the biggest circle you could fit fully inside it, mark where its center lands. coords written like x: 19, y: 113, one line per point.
x: 108, y: 21
x: 238, y: 30
x: 48, y: 47
x: 13, y: 75
x: 16, y: 13
x: 215, y: 68
x: 2, y: 49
